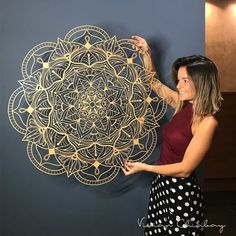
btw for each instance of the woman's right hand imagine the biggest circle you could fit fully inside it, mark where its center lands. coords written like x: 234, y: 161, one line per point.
x: 133, y: 167
x: 140, y: 44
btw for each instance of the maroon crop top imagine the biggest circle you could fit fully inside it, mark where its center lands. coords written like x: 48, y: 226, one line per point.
x: 176, y: 136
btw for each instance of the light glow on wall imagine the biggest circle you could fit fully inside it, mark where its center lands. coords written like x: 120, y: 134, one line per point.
x: 233, y: 9
x: 208, y: 10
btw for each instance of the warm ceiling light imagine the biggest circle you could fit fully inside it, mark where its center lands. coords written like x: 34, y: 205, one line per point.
x: 208, y: 9
x: 233, y: 8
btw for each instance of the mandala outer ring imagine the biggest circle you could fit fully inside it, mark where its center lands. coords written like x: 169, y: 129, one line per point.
x: 30, y: 111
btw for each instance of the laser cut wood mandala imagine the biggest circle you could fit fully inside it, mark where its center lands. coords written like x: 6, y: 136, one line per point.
x: 85, y: 105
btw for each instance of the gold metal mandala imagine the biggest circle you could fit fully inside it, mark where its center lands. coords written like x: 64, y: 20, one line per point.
x: 85, y: 105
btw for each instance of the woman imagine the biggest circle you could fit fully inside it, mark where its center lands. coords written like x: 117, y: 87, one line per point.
x: 176, y: 202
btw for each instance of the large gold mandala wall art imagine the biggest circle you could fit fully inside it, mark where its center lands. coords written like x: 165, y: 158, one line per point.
x: 85, y: 105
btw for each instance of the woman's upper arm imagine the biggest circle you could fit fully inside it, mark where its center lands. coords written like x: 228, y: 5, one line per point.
x: 199, y: 144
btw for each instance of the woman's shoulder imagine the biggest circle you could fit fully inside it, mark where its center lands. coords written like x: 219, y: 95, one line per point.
x: 207, y: 123
x: 209, y: 120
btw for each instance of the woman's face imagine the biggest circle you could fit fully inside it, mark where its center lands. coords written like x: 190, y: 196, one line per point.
x: 185, y: 85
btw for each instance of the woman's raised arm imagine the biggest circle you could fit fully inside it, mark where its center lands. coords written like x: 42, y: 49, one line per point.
x: 167, y: 94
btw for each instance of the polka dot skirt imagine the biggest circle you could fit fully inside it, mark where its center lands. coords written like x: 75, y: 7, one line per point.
x: 175, y: 207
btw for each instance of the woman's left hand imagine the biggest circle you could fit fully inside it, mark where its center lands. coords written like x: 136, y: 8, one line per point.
x: 133, y: 167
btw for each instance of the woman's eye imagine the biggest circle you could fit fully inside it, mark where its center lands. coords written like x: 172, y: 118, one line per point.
x: 186, y: 81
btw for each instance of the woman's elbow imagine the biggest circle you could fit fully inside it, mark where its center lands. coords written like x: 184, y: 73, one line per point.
x: 185, y: 174
x: 185, y: 170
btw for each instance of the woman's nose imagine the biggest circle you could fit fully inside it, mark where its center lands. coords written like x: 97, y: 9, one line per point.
x: 178, y: 86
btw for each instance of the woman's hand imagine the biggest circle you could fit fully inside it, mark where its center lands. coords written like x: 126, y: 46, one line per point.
x: 133, y: 167
x: 140, y: 44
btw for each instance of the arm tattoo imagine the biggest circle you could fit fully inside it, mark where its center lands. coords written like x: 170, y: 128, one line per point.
x: 161, y: 90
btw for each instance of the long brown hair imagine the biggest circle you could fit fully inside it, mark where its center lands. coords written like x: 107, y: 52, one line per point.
x: 204, y: 74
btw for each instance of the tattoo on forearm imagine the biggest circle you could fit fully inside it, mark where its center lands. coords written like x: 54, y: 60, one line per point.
x: 161, y: 90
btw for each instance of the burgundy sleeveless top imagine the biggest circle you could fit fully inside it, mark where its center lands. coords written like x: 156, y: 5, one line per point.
x: 176, y: 136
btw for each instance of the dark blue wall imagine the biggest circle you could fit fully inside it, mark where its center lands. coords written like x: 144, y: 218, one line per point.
x: 35, y: 204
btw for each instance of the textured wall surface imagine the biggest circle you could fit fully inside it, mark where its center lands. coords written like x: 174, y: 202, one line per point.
x: 221, y: 40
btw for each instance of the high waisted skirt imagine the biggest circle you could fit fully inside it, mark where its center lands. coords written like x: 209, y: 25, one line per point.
x: 176, y: 207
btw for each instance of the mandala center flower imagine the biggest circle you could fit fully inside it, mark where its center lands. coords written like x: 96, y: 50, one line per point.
x: 92, y: 105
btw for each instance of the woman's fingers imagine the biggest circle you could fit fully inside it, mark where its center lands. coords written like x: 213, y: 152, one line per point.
x: 136, y: 37
x: 137, y: 41
x: 133, y: 42
x: 126, y: 171
x: 139, y: 44
x: 131, y: 167
x: 136, y: 45
x: 129, y: 164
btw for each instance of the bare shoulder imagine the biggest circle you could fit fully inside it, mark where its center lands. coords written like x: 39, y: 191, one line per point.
x: 207, y: 125
x: 209, y: 121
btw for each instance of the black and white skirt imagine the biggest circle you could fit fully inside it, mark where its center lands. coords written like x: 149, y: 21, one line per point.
x: 176, y: 207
